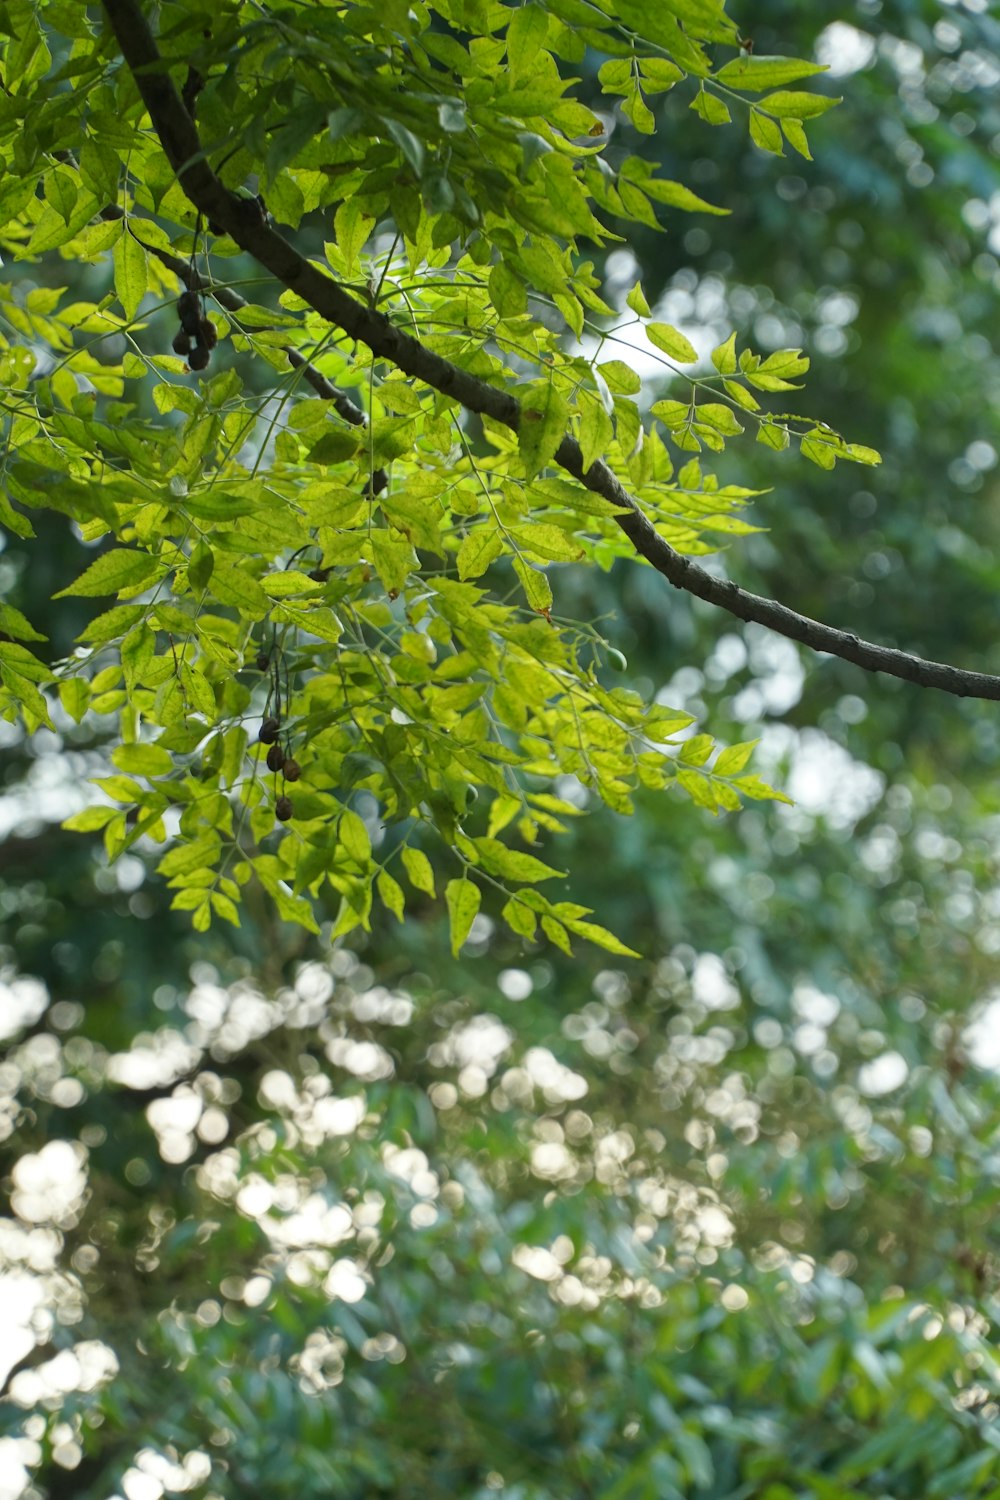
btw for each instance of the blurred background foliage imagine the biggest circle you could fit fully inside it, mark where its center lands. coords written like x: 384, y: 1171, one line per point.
x: 718, y: 1223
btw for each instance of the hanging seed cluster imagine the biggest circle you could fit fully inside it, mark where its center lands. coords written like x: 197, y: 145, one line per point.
x: 197, y: 336
x: 279, y: 758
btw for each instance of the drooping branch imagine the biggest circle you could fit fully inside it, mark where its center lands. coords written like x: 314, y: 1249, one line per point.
x: 243, y: 219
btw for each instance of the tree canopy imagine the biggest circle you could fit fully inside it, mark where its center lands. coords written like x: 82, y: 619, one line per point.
x: 394, y: 366
x: 373, y: 577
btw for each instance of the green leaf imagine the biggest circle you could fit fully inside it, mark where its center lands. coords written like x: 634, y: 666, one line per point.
x: 74, y: 695
x: 764, y: 132
x: 112, y: 623
x: 637, y: 301
x: 602, y: 938
x: 724, y: 357
x: 90, y: 819
x: 547, y: 541
x: 352, y: 835
x: 740, y: 395
x: 796, y: 137
x: 620, y: 377
x: 391, y: 894
x: 672, y: 342
x: 526, y: 35
x: 225, y: 907
x: 773, y: 436
x: 410, y: 144
x: 542, y: 426
x: 100, y: 169
x: 507, y: 291
x: 200, y: 566
x: 556, y: 933
x: 137, y: 651
x: 131, y: 275
x: 520, y: 918
x: 734, y: 759
x: 502, y: 811
x: 789, y: 104
x: 695, y: 751
x: 291, y: 138
x: 462, y: 898
x: 658, y: 74
x: 143, y: 760
x: 718, y: 416
x: 511, y: 864
x: 13, y: 622
x: 536, y: 586
x: 482, y: 546
x: 238, y: 589
x: 418, y: 869
x: 113, y: 572
x: 759, y: 791
x: 635, y: 109
x: 394, y: 560
x: 184, y: 857
x: 676, y: 195
x: 352, y: 228
x: 819, y: 450
x: 615, y: 75
x: 754, y: 73
x: 712, y: 109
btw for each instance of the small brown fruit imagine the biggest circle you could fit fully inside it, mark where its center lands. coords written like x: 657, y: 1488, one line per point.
x: 292, y: 769
x: 269, y: 730
x: 283, y: 809
x: 263, y: 661
x: 198, y: 358
x: 209, y: 337
x: 181, y: 343
x: 275, y: 758
x: 189, y: 312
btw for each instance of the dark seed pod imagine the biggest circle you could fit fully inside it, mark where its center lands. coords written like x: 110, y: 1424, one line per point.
x: 209, y: 337
x: 275, y: 758
x: 263, y: 661
x: 132, y: 816
x: 292, y: 769
x: 283, y: 809
x: 181, y: 343
x: 198, y: 358
x: 269, y: 730
x: 189, y: 312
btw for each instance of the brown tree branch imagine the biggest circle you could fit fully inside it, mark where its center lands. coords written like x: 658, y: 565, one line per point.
x: 243, y: 220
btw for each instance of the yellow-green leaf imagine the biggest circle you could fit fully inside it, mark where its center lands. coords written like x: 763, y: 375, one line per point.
x: 353, y: 836
x: 131, y: 275
x: 115, y: 570
x: 765, y: 133
x: 672, y: 342
x: 462, y: 898
x: 391, y: 893
x: 483, y: 545
x: 418, y: 869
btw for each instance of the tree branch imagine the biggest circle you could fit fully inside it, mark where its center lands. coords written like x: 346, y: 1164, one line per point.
x: 243, y: 220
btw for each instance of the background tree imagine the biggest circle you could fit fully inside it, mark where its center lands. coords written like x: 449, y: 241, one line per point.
x: 714, y: 1223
